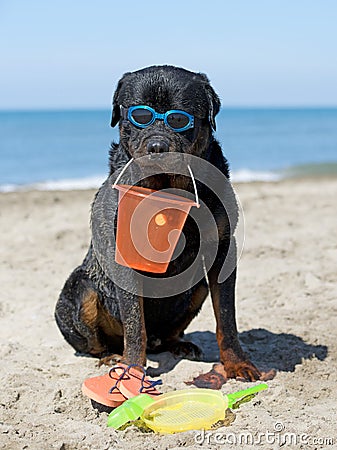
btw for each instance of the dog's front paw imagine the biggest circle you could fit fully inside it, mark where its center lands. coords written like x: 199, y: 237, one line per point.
x: 111, y: 360
x: 186, y: 350
x: 242, y: 370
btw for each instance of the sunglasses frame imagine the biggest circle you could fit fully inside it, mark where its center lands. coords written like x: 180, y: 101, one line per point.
x: 158, y: 116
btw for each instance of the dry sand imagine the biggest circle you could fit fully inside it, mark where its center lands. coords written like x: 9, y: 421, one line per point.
x: 286, y: 308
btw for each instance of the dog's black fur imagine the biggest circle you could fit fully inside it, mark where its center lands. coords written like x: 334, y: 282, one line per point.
x: 95, y: 315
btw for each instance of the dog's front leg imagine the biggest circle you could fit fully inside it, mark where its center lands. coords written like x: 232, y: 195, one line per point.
x: 132, y: 315
x: 235, y: 362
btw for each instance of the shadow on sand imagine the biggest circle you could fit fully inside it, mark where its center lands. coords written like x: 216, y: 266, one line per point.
x: 266, y: 350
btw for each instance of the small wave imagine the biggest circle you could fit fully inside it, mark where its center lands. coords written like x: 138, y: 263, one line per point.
x: 57, y: 185
x: 9, y: 187
x: 246, y: 176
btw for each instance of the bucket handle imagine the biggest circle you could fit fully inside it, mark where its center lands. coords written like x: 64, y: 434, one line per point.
x: 189, y: 169
x: 194, y: 186
x: 121, y: 173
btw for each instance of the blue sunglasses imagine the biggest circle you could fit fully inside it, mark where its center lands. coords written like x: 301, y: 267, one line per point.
x: 143, y: 116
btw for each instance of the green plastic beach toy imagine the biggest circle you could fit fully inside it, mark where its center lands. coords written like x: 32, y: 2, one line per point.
x: 179, y: 410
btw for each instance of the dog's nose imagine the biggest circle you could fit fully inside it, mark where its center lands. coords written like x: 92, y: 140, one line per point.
x: 157, y: 146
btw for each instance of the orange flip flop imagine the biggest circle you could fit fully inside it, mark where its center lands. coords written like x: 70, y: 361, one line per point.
x: 119, y: 384
x: 100, y: 389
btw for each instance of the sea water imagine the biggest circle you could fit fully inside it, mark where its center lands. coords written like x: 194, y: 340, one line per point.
x: 69, y: 149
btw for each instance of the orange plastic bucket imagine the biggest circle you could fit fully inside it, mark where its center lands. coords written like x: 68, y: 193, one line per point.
x: 149, y: 225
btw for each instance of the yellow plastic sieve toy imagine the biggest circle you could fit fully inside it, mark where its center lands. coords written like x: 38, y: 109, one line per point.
x: 191, y: 409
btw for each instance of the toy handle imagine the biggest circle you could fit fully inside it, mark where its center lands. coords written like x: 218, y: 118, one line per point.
x: 240, y: 394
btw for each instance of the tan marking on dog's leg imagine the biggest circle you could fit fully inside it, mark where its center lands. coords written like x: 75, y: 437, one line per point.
x: 89, y: 316
x: 89, y: 309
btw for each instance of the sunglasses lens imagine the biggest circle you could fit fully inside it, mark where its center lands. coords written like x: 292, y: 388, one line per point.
x: 142, y: 116
x: 177, y: 120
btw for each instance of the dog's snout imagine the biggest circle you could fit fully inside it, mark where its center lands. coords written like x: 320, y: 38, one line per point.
x: 157, y: 146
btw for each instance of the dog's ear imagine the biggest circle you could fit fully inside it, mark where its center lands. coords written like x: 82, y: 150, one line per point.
x: 214, y: 105
x: 213, y: 101
x: 116, y: 113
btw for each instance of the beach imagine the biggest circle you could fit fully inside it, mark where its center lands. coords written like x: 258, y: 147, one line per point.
x: 286, y: 314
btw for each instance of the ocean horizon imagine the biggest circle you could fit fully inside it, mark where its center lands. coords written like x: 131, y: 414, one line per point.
x: 68, y: 149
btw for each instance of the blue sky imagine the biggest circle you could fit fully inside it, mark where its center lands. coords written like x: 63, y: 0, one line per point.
x: 71, y: 53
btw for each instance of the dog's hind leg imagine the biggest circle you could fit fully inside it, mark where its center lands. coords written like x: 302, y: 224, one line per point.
x: 80, y: 316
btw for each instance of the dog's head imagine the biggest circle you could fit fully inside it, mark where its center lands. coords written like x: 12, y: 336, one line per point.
x: 179, y: 114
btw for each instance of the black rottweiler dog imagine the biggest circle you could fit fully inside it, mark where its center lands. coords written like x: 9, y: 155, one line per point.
x: 94, y: 313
